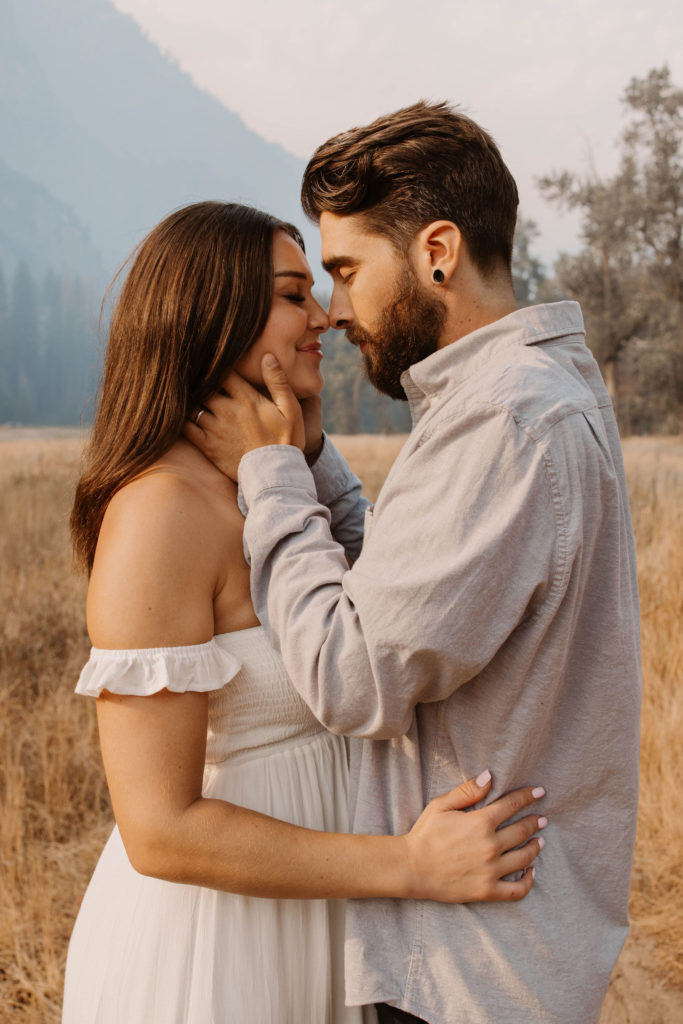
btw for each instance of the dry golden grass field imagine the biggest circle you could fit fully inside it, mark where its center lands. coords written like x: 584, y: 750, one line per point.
x: 54, y: 810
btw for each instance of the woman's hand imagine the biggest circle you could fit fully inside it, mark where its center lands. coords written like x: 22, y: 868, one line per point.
x: 461, y: 857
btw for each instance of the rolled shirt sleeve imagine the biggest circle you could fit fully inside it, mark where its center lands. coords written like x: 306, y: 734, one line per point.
x: 462, y: 544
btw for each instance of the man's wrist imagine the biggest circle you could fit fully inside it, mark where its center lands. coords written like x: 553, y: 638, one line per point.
x: 313, y: 456
x: 273, y: 466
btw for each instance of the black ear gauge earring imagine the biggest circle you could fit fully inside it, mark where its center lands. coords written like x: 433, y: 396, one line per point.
x: 438, y: 276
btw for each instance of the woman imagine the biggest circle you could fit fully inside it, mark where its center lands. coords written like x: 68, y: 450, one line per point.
x: 224, y: 786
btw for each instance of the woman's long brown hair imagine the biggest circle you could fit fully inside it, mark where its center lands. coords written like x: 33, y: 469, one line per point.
x: 197, y: 296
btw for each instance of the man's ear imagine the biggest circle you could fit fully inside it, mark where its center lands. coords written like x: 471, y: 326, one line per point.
x: 435, y: 252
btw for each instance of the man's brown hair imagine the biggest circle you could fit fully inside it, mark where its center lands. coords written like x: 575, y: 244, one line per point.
x: 425, y: 162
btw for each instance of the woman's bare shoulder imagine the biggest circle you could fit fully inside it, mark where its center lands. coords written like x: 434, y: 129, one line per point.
x: 159, y: 561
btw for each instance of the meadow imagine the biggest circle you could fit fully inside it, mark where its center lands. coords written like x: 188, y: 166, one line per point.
x: 54, y: 808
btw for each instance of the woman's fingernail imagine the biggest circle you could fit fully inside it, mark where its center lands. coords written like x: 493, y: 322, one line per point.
x: 542, y: 822
x: 270, y: 361
x: 481, y: 780
x: 537, y: 792
x: 541, y: 842
x: 533, y: 872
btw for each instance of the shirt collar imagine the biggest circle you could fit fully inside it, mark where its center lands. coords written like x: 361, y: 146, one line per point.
x: 465, y: 357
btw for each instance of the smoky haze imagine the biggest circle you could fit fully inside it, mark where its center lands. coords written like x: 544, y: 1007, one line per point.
x: 101, y: 135
x: 92, y: 111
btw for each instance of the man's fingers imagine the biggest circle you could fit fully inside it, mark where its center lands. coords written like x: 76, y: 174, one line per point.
x: 285, y: 401
x: 510, y: 804
x: 194, y: 434
x: 235, y: 385
x: 199, y: 415
x: 276, y: 381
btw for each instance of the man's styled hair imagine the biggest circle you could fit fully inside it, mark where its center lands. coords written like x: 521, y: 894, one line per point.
x: 424, y: 163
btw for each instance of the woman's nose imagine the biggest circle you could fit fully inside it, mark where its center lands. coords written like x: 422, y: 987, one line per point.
x: 319, y: 320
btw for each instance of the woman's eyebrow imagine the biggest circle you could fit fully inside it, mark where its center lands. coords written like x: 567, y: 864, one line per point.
x: 291, y: 273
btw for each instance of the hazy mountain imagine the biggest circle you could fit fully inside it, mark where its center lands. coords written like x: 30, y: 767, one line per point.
x: 41, y: 231
x: 104, y: 135
x: 92, y: 110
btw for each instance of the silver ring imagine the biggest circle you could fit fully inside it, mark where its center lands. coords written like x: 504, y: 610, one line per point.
x: 198, y: 416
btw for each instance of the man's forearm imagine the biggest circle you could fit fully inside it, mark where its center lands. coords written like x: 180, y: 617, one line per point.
x: 411, y: 621
x: 340, y: 491
x: 300, y: 600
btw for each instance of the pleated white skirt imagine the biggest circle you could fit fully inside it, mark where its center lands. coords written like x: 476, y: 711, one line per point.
x: 146, y: 951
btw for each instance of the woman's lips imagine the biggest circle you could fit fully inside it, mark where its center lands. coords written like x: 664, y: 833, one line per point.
x: 313, y: 350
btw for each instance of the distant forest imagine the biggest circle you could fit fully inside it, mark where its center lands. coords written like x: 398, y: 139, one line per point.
x: 627, y: 275
x: 49, y: 359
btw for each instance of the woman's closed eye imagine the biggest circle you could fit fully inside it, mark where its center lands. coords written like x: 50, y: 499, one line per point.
x: 296, y: 298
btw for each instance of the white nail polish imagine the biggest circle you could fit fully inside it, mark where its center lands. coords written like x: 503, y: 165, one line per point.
x: 481, y: 780
x: 538, y: 792
x: 541, y: 842
x: 542, y: 822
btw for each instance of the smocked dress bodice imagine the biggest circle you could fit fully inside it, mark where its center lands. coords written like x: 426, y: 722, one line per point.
x: 252, y: 702
x: 260, y: 707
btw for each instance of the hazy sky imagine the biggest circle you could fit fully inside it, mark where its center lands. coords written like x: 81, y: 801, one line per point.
x: 544, y: 77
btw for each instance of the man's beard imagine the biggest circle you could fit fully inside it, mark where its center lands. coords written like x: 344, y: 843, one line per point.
x: 408, y: 330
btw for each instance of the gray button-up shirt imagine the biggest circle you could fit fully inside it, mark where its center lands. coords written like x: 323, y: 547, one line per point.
x: 489, y: 621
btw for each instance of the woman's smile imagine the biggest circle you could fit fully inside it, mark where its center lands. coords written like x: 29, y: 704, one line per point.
x: 294, y: 324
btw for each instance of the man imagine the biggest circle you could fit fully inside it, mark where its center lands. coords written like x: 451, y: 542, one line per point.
x: 491, y: 617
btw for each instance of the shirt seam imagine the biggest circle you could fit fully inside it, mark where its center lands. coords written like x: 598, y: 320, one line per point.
x: 561, y: 571
x: 558, y: 586
x: 286, y: 487
x: 540, y: 443
x: 417, y: 950
x: 445, y: 418
x: 527, y: 338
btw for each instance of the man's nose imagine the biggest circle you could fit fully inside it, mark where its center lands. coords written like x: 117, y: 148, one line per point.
x: 340, y: 313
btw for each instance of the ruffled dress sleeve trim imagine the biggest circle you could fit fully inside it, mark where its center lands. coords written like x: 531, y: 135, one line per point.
x: 139, y: 673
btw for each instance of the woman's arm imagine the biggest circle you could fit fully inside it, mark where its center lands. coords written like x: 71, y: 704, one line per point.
x: 159, y: 568
x: 153, y: 750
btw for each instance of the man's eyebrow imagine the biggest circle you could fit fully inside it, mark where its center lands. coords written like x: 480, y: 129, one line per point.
x: 339, y: 261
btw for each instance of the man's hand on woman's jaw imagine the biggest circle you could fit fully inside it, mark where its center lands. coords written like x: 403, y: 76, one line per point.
x: 240, y: 418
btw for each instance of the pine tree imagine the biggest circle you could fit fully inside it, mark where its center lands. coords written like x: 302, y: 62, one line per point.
x: 23, y: 348
x: 629, y: 274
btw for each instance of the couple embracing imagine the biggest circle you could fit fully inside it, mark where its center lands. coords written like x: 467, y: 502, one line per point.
x: 304, y: 700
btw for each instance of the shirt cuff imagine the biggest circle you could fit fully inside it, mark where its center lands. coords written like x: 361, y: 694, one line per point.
x: 332, y: 474
x: 271, y: 467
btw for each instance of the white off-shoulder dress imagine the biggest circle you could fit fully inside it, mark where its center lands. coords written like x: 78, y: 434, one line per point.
x: 146, y: 951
